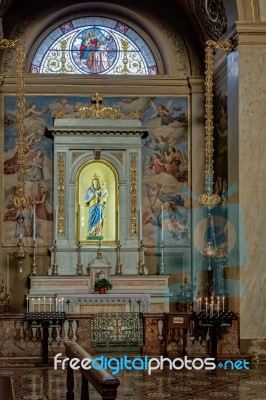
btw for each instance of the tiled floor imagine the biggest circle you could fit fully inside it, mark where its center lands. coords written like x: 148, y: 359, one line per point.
x: 47, y: 384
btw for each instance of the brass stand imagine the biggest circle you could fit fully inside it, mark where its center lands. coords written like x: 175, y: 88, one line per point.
x: 141, y: 259
x: 118, y: 268
x: 34, y: 266
x: 79, y: 269
x: 55, y: 265
x: 162, y: 270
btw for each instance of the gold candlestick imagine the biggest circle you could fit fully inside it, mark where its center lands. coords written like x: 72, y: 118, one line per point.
x: 55, y: 265
x: 118, y: 268
x: 141, y: 264
x: 79, y: 269
x: 34, y: 265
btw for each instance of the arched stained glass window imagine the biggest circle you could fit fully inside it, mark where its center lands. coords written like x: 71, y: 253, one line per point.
x: 94, y: 45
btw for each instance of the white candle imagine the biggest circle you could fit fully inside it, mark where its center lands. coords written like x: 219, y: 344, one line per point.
x: 27, y: 304
x: 39, y: 300
x: 56, y: 304
x: 206, y: 305
x: 34, y: 223
x: 59, y: 305
x: 140, y: 222
x: 223, y: 303
x: 162, y: 226
x: 33, y: 305
x: 218, y: 305
x: 56, y: 223
x: 62, y: 304
x: 44, y: 304
x: 212, y: 309
x: 50, y: 301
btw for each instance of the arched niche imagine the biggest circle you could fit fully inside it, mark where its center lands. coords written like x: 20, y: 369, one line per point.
x: 97, y: 202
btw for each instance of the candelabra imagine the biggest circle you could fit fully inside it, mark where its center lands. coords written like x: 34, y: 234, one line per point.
x: 99, y: 253
x: 34, y: 265
x: 141, y: 264
x: 55, y: 265
x: 20, y: 254
x: 79, y: 270
x: 118, y: 268
x: 162, y: 270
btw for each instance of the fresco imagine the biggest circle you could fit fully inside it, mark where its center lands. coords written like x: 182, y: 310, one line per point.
x: 165, y: 167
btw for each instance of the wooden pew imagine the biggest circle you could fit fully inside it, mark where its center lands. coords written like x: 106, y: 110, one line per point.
x: 105, y: 383
x: 6, y: 389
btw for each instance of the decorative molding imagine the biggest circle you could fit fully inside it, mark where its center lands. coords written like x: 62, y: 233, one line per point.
x: 76, y: 155
x: 61, y: 194
x: 212, y: 17
x: 119, y: 156
x: 97, y: 132
x: 251, y: 33
x: 133, y: 194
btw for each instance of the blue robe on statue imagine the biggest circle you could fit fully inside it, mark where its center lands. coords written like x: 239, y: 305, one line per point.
x: 95, y: 210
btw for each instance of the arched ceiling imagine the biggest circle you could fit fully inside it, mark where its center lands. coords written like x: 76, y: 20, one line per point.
x: 194, y: 11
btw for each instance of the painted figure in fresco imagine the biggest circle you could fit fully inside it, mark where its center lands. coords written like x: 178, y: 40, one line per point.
x: 156, y: 164
x: 43, y: 208
x: 172, y: 221
x: 161, y: 145
x: 31, y: 110
x: 157, y: 190
x: 11, y: 164
x: 96, y: 199
x: 164, y: 114
x: 35, y: 172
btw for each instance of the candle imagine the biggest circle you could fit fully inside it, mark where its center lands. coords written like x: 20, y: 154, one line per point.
x: 33, y: 305
x: 39, y: 300
x: 59, y: 305
x: 212, y: 309
x: 56, y: 223
x: 206, y: 304
x: 218, y: 305
x: 118, y: 224
x: 62, y: 304
x: 195, y: 305
x: 56, y: 305
x: 50, y: 301
x: 44, y: 304
x: 162, y: 226
x: 200, y: 304
x: 34, y: 223
x: 223, y: 303
x: 140, y: 222
x: 27, y: 304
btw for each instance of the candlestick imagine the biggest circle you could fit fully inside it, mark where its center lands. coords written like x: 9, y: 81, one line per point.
x: 34, y: 223
x: 140, y: 222
x: 39, y: 300
x: 50, y: 301
x: 162, y: 226
x: 27, y: 304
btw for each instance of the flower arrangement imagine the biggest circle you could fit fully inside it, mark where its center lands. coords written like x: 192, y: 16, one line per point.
x: 103, y: 282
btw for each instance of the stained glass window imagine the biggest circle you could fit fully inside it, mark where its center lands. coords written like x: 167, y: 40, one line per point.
x: 94, y: 45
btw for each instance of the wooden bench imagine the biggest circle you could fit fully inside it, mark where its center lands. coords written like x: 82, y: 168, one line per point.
x: 6, y: 389
x: 105, y: 383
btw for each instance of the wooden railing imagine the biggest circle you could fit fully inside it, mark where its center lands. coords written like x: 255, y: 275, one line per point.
x: 6, y: 390
x: 105, y: 384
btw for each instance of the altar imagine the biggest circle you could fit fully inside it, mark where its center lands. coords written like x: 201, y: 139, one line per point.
x: 114, y: 302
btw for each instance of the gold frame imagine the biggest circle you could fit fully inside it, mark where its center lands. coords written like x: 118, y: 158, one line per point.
x: 97, y: 164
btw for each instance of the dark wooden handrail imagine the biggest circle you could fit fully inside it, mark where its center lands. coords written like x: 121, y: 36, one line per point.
x: 105, y: 383
x: 6, y: 389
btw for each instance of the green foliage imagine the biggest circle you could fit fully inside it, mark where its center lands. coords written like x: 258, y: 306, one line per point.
x: 103, y: 283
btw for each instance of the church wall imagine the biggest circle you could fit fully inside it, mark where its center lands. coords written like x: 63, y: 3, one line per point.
x: 252, y: 164
x: 178, y: 261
